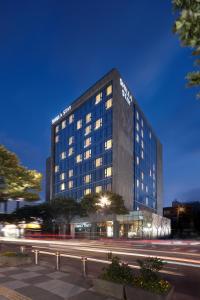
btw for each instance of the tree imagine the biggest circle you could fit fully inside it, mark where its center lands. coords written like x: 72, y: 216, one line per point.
x: 17, y: 181
x: 106, y: 202
x: 187, y: 26
x: 65, y: 208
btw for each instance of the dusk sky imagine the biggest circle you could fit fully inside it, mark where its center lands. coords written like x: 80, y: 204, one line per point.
x: 52, y: 51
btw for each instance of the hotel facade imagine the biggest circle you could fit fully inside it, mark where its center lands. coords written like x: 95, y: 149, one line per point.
x: 103, y: 142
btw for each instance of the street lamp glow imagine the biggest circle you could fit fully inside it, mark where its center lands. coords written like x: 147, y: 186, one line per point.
x: 104, y: 201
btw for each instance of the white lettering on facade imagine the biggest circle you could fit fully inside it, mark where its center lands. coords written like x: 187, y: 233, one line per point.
x: 125, y: 93
x: 64, y: 112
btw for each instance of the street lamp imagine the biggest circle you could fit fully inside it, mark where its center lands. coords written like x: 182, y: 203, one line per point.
x: 104, y: 201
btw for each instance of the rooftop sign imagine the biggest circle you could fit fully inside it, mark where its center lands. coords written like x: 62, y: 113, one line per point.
x: 125, y: 93
x: 64, y: 112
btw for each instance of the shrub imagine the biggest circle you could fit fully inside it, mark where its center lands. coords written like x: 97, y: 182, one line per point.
x: 14, y: 254
x: 149, y: 278
x: 118, y: 272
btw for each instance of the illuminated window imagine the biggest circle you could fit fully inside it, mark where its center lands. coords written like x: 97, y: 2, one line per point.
x: 98, y: 162
x: 71, y: 140
x: 87, y: 154
x: 98, y: 98
x: 147, y: 189
x: 63, y: 155
x: 108, y: 144
x: 56, y: 169
x: 63, y: 124
x: 87, y: 191
x: 109, y: 90
x: 137, y: 138
x: 137, y: 126
x: 88, y: 118
x: 150, y: 134
x: 137, y: 183
x: 57, y: 129
x: 150, y: 173
x: 62, y: 176
x: 70, y: 184
x: 108, y: 172
x: 142, y: 123
x: 56, y: 138
x: 154, y: 168
x: 137, y: 160
x: 87, y: 178
x: 147, y: 201
x: 71, y: 118
x: 142, y: 133
x: 79, y: 124
x: 142, y: 175
x: 70, y: 173
x: 142, y: 186
x: 142, y: 154
x: 109, y: 103
x: 62, y: 186
x: 98, y: 189
x: 98, y: 124
x: 87, y: 130
x: 137, y: 115
x: 142, y: 144
x: 87, y: 142
x: 70, y: 152
x: 79, y: 158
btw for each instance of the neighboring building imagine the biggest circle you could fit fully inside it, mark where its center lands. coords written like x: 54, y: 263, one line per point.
x: 48, y: 179
x: 103, y: 141
x: 185, y: 218
x: 9, y: 206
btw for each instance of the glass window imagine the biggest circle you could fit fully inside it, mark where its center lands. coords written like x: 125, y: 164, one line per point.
x: 70, y: 184
x: 142, y: 154
x: 142, y: 175
x: 137, y: 160
x: 88, y: 118
x: 70, y: 152
x: 87, y: 142
x: 62, y: 186
x: 56, y: 169
x: 79, y: 158
x: 71, y: 140
x: 87, y: 191
x: 142, y: 123
x: 137, y: 126
x: 108, y: 103
x: 70, y: 173
x: 79, y: 124
x: 142, y: 185
x: 142, y: 133
x: 150, y: 134
x: 87, y: 130
x: 62, y: 176
x: 98, y: 98
x: 137, y: 138
x: 137, y: 183
x: 63, y: 155
x: 98, y: 189
x: 87, y: 178
x: 98, y: 124
x: 137, y: 115
x: 142, y: 144
x: 87, y: 154
x: 98, y: 162
x: 108, y: 144
x: 108, y: 172
x: 63, y: 124
x: 71, y: 118
x: 57, y: 129
x: 109, y: 90
x: 56, y: 138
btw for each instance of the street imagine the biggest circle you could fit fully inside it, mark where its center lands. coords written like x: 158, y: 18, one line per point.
x: 182, y: 259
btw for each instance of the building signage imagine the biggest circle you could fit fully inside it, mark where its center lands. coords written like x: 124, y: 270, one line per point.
x: 125, y: 93
x: 64, y: 112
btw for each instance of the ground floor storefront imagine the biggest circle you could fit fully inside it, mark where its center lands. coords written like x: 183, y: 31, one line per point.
x: 136, y: 224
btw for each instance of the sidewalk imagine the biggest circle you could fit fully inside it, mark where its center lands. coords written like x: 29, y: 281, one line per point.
x: 43, y: 283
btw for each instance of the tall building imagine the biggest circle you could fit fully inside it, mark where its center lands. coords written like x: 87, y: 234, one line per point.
x: 103, y: 141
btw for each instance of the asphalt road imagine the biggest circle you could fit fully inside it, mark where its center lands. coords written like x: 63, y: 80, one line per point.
x: 182, y: 266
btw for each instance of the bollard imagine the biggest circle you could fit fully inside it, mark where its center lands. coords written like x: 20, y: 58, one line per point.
x: 109, y: 255
x: 36, y: 256
x: 22, y: 249
x: 84, y: 261
x: 57, y: 261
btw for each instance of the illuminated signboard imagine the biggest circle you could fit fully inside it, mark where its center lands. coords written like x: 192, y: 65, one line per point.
x: 64, y: 112
x: 125, y: 93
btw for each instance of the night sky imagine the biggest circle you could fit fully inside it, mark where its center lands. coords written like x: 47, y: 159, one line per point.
x: 51, y: 51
